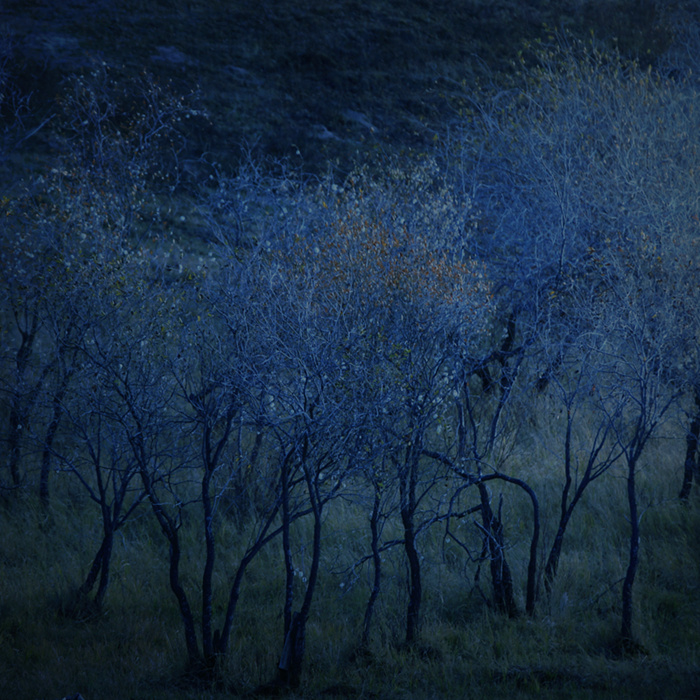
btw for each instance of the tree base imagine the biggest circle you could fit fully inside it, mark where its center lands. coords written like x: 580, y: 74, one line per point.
x: 625, y: 648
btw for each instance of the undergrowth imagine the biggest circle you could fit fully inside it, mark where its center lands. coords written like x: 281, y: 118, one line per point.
x: 134, y: 646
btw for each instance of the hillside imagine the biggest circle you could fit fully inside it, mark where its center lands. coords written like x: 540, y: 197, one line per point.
x: 326, y: 83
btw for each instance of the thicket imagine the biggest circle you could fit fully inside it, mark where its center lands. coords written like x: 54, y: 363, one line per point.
x: 438, y: 421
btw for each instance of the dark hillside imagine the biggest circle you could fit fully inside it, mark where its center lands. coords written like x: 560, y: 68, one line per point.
x: 331, y: 81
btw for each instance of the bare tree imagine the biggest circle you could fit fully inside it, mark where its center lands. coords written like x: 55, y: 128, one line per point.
x: 573, y: 386
x: 411, y: 302
x: 99, y: 458
x: 67, y: 232
x: 590, y: 198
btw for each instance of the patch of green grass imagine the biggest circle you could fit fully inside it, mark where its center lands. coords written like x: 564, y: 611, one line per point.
x: 135, y: 647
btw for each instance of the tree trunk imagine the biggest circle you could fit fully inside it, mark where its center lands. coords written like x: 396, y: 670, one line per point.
x: 497, y: 531
x: 287, y: 549
x: 377, y: 564
x: 565, y: 510
x: 691, y: 448
x: 100, y: 566
x: 108, y: 544
x: 193, y: 655
x: 292, y: 659
x: 627, y: 634
x: 504, y: 598
x: 221, y: 639
x: 552, y: 564
x: 14, y: 447
x: 51, y: 430
x: 19, y: 411
x: 415, y: 590
x: 407, y: 486
x: 89, y: 583
x: 208, y: 516
x: 292, y: 654
x: 170, y: 530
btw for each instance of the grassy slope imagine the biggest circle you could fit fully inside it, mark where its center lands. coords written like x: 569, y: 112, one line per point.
x: 135, y: 648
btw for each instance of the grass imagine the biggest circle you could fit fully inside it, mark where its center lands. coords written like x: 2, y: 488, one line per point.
x: 135, y: 647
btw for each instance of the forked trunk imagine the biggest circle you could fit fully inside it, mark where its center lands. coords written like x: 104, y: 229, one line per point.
x: 292, y: 659
x: 502, y: 580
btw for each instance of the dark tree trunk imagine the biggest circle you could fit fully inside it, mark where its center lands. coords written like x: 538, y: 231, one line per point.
x: 221, y: 640
x: 19, y: 411
x: 287, y: 548
x: 627, y: 633
x: 595, y: 467
x: 502, y: 580
x: 565, y: 510
x: 207, y: 635
x: 90, y: 580
x: 211, y: 453
x: 108, y: 544
x: 193, y: 655
x: 52, y: 429
x: 691, y: 448
x: 17, y: 421
x: 407, y: 487
x: 100, y: 567
x: 377, y: 564
x: 552, y: 564
x: 415, y: 589
x: 170, y: 530
x: 506, y: 583
x: 289, y: 675
x: 292, y: 660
